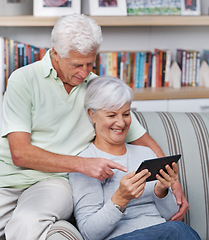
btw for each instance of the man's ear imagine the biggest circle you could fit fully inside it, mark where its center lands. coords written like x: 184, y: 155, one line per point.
x: 91, y: 115
x: 54, y: 53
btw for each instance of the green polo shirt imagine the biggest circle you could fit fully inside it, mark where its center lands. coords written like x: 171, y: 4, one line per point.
x: 37, y: 102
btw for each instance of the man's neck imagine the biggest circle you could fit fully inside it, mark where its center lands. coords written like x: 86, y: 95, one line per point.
x: 55, y: 65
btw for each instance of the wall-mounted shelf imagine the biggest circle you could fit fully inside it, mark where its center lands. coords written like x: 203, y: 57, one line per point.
x: 120, y: 21
x: 171, y: 93
x: 117, y: 21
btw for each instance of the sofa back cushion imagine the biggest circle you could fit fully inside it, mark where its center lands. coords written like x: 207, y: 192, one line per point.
x: 187, y: 134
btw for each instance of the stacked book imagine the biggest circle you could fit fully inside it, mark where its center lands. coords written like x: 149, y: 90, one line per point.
x: 138, y: 69
x: 189, y: 63
x: 14, y: 55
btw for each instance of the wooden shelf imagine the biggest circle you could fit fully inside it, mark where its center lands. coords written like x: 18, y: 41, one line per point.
x: 120, y: 21
x: 117, y: 21
x: 171, y: 93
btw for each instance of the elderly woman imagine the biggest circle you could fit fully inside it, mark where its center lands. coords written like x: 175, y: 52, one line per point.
x: 126, y: 206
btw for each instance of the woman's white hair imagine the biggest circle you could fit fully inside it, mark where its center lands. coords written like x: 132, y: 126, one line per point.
x: 107, y: 93
x: 76, y: 32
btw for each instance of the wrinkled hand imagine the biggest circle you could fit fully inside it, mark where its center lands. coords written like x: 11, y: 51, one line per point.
x: 131, y: 186
x: 181, y: 200
x: 100, y: 168
x: 166, y: 180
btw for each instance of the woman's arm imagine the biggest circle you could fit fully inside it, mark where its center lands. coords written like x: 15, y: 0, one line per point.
x: 164, y: 199
x: 96, y: 218
x: 148, y: 141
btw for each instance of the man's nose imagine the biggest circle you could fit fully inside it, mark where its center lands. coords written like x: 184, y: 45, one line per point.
x: 84, y: 72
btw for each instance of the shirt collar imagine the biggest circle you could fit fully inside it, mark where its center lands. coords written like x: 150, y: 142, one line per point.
x: 47, y: 65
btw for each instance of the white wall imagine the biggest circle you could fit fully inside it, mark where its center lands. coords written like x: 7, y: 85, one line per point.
x: 124, y: 38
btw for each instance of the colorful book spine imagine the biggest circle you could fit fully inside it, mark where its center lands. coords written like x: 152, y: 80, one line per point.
x: 141, y: 70
x: 137, y: 65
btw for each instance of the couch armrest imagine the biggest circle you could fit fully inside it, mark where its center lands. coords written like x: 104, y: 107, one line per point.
x: 63, y: 230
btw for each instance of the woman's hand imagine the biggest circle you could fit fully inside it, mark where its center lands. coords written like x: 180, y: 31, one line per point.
x: 131, y: 187
x: 166, y: 180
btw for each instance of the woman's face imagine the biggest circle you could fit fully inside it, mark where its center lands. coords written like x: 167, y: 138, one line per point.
x: 111, y: 126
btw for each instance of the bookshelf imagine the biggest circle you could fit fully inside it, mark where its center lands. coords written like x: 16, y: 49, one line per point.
x: 171, y: 93
x: 114, y: 26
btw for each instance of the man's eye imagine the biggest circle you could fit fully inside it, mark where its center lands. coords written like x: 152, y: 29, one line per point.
x: 111, y: 116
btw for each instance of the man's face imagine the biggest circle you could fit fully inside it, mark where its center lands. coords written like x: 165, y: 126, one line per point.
x: 76, y: 68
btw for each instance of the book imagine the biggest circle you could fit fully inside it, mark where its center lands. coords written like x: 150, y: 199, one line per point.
x: 150, y: 71
x: 6, y: 58
x: 141, y: 70
x: 119, y: 64
x: 20, y: 47
x: 114, y: 64
x: 194, y: 62
x: 153, y: 85
x: 158, y: 70
x: 197, y: 73
x: 122, y: 65
x: 2, y: 75
x: 12, y: 58
x: 132, y: 69
x: 146, y: 68
x: 137, y: 65
x: 167, y: 67
x: 163, y: 68
x: 181, y: 60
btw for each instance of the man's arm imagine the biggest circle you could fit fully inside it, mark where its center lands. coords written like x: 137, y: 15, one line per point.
x: 26, y: 155
x: 181, y: 201
x: 147, y: 141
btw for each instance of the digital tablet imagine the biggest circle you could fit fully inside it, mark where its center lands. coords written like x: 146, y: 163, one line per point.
x: 154, y: 165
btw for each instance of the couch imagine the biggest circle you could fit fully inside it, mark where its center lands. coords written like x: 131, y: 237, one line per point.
x: 185, y: 133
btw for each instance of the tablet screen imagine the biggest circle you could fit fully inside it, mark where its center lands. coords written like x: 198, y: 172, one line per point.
x: 154, y: 165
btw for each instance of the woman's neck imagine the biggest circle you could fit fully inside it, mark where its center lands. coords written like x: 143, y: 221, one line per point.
x: 113, y: 149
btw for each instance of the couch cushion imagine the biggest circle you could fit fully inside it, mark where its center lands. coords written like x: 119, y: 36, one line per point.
x: 188, y: 134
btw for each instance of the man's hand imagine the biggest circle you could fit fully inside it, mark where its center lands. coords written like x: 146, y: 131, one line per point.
x: 181, y: 200
x: 100, y: 168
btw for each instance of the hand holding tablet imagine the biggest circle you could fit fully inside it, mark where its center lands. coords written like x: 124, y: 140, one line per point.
x: 154, y: 165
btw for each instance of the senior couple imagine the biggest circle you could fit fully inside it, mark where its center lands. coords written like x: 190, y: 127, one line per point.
x: 48, y: 141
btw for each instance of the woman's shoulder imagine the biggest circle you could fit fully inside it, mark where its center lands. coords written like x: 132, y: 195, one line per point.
x: 90, y: 151
x: 142, y: 150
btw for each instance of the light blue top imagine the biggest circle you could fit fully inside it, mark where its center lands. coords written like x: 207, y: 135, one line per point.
x: 36, y: 102
x: 94, y: 211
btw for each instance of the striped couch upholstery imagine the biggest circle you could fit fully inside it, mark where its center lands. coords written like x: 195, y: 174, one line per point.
x: 188, y: 134
x: 185, y: 133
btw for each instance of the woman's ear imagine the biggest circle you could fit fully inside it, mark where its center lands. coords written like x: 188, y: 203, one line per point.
x: 91, y: 115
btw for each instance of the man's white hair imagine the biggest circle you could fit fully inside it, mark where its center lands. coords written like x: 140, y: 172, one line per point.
x: 76, y: 32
